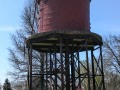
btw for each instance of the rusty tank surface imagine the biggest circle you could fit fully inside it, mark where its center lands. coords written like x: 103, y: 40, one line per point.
x: 64, y: 15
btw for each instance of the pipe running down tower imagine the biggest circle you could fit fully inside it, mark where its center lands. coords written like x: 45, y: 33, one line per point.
x: 72, y: 54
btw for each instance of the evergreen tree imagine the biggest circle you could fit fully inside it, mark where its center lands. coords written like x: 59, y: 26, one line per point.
x: 7, y: 85
x: 0, y: 86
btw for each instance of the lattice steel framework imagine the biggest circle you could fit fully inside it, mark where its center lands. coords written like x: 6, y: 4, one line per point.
x: 72, y: 60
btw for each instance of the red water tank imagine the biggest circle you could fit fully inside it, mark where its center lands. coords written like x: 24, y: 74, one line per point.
x: 64, y: 15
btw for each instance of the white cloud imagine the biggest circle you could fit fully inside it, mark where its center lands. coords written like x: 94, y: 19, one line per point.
x: 9, y: 28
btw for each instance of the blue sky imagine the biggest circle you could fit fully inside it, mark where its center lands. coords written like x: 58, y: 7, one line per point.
x: 10, y: 12
x: 104, y: 18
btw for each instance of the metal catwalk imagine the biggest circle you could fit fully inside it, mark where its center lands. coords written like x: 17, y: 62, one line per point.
x: 72, y: 60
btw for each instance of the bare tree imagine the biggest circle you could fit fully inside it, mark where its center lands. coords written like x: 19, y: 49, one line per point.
x: 112, y: 81
x: 19, y: 85
x: 18, y: 53
x: 111, y: 53
x: 111, y: 56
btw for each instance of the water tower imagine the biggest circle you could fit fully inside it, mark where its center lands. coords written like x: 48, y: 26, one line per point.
x: 72, y: 53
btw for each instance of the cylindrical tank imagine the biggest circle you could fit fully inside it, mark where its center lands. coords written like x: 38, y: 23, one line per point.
x: 64, y: 15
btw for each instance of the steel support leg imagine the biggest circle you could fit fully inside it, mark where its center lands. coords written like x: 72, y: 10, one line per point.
x: 30, y: 59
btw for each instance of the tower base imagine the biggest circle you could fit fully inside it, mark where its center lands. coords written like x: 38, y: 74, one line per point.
x: 72, y: 60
